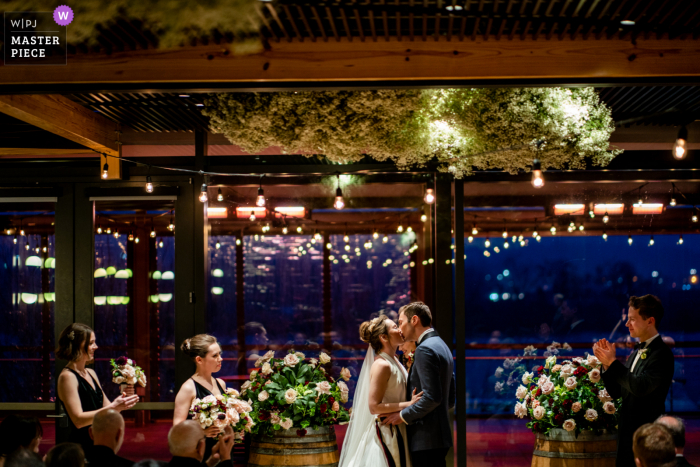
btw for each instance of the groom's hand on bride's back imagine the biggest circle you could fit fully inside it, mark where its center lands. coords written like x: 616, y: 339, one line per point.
x: 392, y: 419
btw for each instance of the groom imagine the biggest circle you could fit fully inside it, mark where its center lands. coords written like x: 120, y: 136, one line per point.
x: 429, y: 429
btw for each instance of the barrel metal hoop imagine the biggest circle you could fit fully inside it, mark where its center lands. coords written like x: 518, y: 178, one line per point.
x: 570, y: 437
x: 292, y: 452
x: 574, y: 455
x: 297, y: 440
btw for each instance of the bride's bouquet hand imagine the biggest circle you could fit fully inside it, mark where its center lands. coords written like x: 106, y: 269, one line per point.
x: 416, y: 397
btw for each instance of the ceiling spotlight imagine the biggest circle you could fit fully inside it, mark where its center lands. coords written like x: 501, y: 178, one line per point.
x: 537, y: 178
x: 149, y: 184
x: 339, y: 203
x: 105, y: 171
x: 679, y: 148
x: 203, y: 193
x: 429, y: 196
x: 219, y: 195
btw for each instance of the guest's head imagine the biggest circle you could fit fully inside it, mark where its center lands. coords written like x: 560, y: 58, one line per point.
x: 255, y: 335
x: 205, y: 351
x: 23, y: 458
x: 65, y: 455
x: 414, y: 318
x: 17, y: 432
x: 107, y: 429
x: 187, y: 439
x: 644, y: 316
x: 148, y: 463
x: 76, y: 342
x: 653, y: 446
x: 676, y: 426
x: 381, y: 333
x: 407, y: 346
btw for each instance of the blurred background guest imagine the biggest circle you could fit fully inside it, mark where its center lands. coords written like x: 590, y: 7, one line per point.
x: 65, y: 455
x: 676, y: 426
x: 18, y: 432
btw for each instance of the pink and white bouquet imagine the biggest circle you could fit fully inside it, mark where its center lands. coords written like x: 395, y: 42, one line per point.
x: 223, y: 410
x: 125, y: 371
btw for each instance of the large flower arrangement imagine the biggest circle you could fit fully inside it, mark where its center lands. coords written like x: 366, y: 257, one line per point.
x: 461, y: 129
x: 295, y: 392
x: 568, y: 395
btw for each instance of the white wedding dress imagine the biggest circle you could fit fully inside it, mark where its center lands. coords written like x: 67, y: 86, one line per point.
x: 362, y: 446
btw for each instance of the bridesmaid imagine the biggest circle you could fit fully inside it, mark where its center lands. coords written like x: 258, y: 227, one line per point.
x: 79, y: 390
x: 205, y: 351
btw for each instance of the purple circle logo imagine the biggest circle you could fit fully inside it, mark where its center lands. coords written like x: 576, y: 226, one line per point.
x: 63, y: 15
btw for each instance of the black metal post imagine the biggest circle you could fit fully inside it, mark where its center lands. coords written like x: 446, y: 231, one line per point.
x: 442, y: 267
x: 240, y: 305
x: 460, y: 324
x: 327, y: 304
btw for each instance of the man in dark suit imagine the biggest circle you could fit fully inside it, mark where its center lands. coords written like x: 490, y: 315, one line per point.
x: 186, y: 442
x: 644, y: 379
x: 429, y: 429
x: 107, y: 431
x: 653, y: 446
x: 676, y: 427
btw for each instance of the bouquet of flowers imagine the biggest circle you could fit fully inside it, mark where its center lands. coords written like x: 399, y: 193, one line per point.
x: 568, y: 395
x: 296, y: 392
x: 223, y: 410
x: 125, y: 371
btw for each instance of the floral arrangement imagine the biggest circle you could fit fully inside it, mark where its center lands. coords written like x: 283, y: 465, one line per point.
x: 568, y: 395
x: 295, y: 392
x: 460, y: 129
x: 125, y: 371
x: 223, y: 410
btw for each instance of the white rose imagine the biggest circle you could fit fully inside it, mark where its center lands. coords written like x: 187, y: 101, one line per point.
x: 499, y: 372
x: 286, y: 424
x: 245, y: 385
x: 578, y: 360
x: 232, y: 392
x: 521, y: 392
x: 142, y: 380
x: 508, y: 363
x: 609, y: 407
x: 119, y: 380
x: 594, y: 375
x: 130, y: 361
x: 566, y: 371
x: 324, y: 358
x: 543, y: 379
x: 555, y: 344
x: 290, y: 396
x: 571, y: 383
x: 591, y: 415
x: 527, y: 378
x: 570, y: 425
x: 344, y: 397
x: 266, y: 368
x: 520, y: 410
x: 275, y: 418
x: 313, y: 362
x: 300, y: 355
x: 345, y: 374
x: 263, y: 396
x: 551, y: 361
x: 547, y: 388
x: 592, y: 360
x: 253, y: 374
x: 539, y: 412
x: 530, y: 350
x: 499, y: 386
x: 604, y: 396
x: 343, y: 387
x: 291, y: 360
x: 324, y: 387
x: 210, y: 399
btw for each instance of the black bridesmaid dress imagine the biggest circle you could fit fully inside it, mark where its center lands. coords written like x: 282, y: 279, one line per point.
x: 203, y: 392
x: 90, y: 400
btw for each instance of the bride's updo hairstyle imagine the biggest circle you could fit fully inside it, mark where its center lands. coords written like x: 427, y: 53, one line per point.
x: 73, y: 341
x: 198, y: 346
x: 370, y: 331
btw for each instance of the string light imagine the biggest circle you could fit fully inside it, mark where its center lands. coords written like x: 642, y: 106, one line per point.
x: 14, y: 240
x: 505, y: 233
x: 679, y: 148
x: 375, y: 235
x: 346, y: 239
x: 116, y: 233
x: 641, y: 201
x: 629, y: 239
x: 300, y: 229
x: 252, y: 216
x: 553, y: 229
x: 591, y: 212
x: 605, y: 236
x: 131, y: 236
x: 203, y: 193
x: 339, y: 203
x: 108, y: 231
x: 651, y: 240
x: 44, y: 249
x: 160, y: 244
x: 470, y: 239
x: 429, y: 196
x: 105, y: 171
x: 171, y: 225
x: 26, y: 247
x: 537, y: 178
x: 680, y: 240
x: 153, y: 232
x: 136, y: 240
x: 218, y: 245
x: 606, y: 218
x: 673, y: 195
x: 385, y: 239
x: 487, y: 243
x: 99, y: 229
x: 535, y: 234
x: 694, y: 218
x: 400, y: 228
x: 329, y: 246
x: 219, y: 195
x: 149, y: 184
x: 260, y: 200
x: 475, y: 231
x: 581, y: 228
x: 423, y: 216
x: 538, y: 238
x: 285, y: 230
x: 506, y: 245
x: 409, y: 229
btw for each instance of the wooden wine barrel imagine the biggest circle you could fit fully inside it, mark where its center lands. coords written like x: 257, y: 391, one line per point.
x: 318, y: 448
x: 562, y: 449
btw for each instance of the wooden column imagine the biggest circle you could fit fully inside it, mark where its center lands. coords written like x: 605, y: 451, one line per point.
x: 460, y: 324
x: 442, y: 283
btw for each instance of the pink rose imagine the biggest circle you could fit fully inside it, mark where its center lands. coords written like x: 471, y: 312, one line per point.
x: 313, y: 362
x: 570, y: 425
x: 535, y: 403
x: 576, y: 407
x: 556, y: 368
x: 232, y: 392
x: 262, y: 397
x: 286, y: 424
x: 232, y: 416
x: 291, y: 395
x: 324, y: 387
x: 324, y: 358
x: 345, y: 374
x: 209, y: 400
x: 538, y: 412
x: 604, y: 396
x: 567, y: 370
x: 547, y: 388
x: 609, y: 407
x: 591, y: 415
x: 300, y: 355
x: 275, y: 418
x: 266, y: 368
x: 592, y: 361
x: 245, y: 385
x: 594, y: 375
x: 521, y: 392
x: 249, y: 423
x: 291, y: 360
x: 570, y: 383
x: 336, y: 406
x: 520, y: 410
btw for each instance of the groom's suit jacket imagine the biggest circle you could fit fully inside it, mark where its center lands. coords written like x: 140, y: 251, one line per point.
x: 432, y: 372
x: 643, y: 393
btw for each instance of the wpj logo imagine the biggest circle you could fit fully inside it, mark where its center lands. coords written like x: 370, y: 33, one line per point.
x: 36, y: 38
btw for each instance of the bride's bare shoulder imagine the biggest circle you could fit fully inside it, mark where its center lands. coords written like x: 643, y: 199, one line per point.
x: 380, y: 365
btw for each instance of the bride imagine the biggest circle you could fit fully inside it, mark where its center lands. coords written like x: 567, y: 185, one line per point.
x: 381, y: 390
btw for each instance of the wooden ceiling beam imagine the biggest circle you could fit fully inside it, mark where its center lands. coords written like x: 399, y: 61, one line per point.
x: 306, y: 61
x: 63, y: 117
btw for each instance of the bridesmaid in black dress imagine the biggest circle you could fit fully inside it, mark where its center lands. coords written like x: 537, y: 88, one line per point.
x: 79, y: 389
x: 205, y: 351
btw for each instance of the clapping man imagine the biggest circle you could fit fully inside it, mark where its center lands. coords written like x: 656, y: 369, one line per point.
x: 644, y: 379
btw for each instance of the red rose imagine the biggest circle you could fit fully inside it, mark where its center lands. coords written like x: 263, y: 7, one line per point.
x: 323, y: 408
x: 580, y: 371
x: 264, y: 415
x: 559, y: 419
x: 539, y: 392
x: 331, y: 400
x: 536, y: 426
x: 539, y: 369
x: 301, y: 432
x: 567, y: 404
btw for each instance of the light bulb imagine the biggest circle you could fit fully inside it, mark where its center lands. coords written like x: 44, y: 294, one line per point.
x: 153, y: 233
x: 203, y: 194
x: 346, y: 239
x: 218, y: 245
x: 570, y: 229
x: 26, y: 247
x: 520, y: 238
x: 553, y: 230
x: 160, y: 244
x: 136, y: 240
x: 285, y: 230
x: 629, y: 239
x: 385, y: 239
x: 475, y: 231
x: 400, y: 228
x: 149, y: 184
x: 116, y: 234
x: 329, y: 245
x: 694, y: 218
x: 591, y: 213
x: 108, y: 231
x: 506, y: 245
x: 171, y: 226
x: 680, y: 240
x: 505, y: 233
x: 679, y: 148
x: 339, y: 203
x: 423, y: 218
x: 105, y: 171
x: 470, y: 239
x: 487, y: 243
x: 21, y: 232
x: 606, y: 218
x: 299, y: 229
x: 14, y: 240
x: 537, y: 178
x: 252, y: 216
x: 260, y: 200
x: 651, y: 240
x: 429, y: 196
x: 673, y: 202
x: 580, y: 227
x: 375, y: 235
x: 219, y: 195
x: 538, y: 238
x: 605, y: 236
x: 44, y: 249
x: 534, y: 234
x: 409, y: 229
x: 99, y: 229
x: 347, y: 247
x: 238, y: 241
x: 130, y: 237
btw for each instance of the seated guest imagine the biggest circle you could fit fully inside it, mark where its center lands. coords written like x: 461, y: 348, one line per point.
x: 107, y: 431
x: 17, y: 432
x: 653, y: 446
x: 65, y: 455
x: 677, y: 428
x: 23, y: 457
x: 187, y: 442
x: 150, y: 463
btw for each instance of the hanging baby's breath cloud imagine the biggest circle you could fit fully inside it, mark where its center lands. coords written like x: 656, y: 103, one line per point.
x: 461, y: 129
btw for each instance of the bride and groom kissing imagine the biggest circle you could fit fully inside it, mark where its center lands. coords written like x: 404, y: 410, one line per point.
x: 400, y: 418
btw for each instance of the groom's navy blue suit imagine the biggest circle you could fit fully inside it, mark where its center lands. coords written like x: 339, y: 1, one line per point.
x: 429, y: 429
x: 643, y: 392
